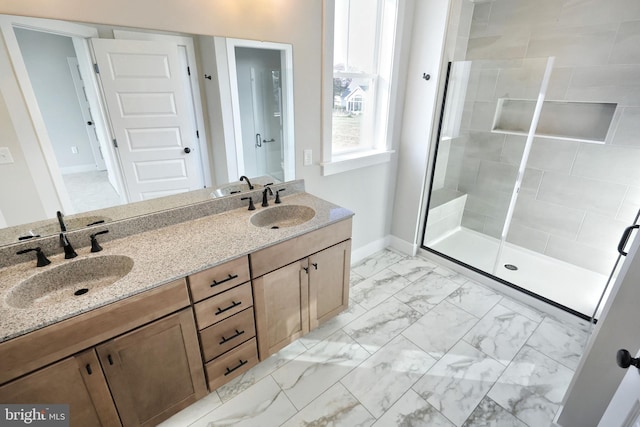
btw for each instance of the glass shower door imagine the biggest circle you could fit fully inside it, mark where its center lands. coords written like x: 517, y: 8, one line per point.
x: 477, y: 168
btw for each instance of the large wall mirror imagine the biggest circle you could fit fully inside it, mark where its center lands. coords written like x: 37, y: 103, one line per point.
x: 105, y: 123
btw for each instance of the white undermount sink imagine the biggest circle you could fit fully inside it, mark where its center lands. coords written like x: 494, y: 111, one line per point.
x: 283, y: 216
x: 68, y: 281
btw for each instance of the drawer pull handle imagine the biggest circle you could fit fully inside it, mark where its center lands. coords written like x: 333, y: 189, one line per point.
x: 236, y: 335
x: 233, y: 305
x: 110, y: 359
x: 89, y: 371
x: 240, y: 365
x: 216, y: 283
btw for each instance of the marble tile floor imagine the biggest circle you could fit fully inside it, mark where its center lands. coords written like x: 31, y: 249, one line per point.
x: 419, y: 345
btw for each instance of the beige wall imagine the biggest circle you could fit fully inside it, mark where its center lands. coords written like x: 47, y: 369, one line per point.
x: 365, y: 191
x: 16, y: 186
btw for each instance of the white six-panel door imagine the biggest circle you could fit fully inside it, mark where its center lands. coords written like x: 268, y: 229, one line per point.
x: 151, y: 121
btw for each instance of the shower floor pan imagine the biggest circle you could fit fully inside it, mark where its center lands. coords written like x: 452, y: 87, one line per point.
x: 566, y: 284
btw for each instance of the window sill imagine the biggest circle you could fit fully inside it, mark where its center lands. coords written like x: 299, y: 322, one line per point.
x: 357, y: 160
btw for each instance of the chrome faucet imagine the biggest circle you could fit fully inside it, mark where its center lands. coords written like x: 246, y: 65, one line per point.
x: 265, y: 202
x: 244, y: 178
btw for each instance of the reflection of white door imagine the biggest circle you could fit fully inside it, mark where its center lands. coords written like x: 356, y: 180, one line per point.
x: 149, y: 112
x: 624, y: 408
x: 81, y: 93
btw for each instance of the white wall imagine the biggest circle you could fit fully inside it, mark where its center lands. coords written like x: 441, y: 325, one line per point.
x: 19, y: 200
x: 45, y: 56
x: 420, y: 107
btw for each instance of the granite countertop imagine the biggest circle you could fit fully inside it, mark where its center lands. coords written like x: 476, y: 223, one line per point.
x: 160, y: 256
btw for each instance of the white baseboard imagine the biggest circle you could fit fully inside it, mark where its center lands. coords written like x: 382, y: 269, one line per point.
x: 394, y: 242
x: 91, y: 167
x: 403, y: 246
x: 361, y: 253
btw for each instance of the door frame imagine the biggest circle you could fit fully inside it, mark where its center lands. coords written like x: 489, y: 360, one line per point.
x: 234, y: 148
x: 80, y: 90
x: 79, y: 35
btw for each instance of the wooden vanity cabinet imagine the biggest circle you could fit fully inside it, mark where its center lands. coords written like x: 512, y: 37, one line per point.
x: 77, y: 381
x: 226, y: 326
x: 135, y: 364
x: 292, y: 295
x: 154, y: 371
x: 329, y: 273
x: 282, y: 307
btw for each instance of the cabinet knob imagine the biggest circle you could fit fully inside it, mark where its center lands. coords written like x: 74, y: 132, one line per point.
x: 89, y: 371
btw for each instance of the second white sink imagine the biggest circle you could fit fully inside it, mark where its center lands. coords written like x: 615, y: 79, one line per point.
x: 283, y: 216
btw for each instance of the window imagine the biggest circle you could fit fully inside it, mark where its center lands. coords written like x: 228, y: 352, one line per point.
x: 364, y: 35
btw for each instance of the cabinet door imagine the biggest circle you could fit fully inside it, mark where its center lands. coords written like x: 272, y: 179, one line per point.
x: 77, y: 381
x: 281, y: 300
x: 329, y: 282
x: 154, y: 371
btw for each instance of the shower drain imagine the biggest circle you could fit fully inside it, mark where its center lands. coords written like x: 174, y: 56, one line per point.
x: 510, y: 267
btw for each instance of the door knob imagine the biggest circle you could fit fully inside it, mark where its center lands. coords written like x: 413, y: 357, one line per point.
x: 89, y: 122
x: 187, y: 150
x: 624, y: 359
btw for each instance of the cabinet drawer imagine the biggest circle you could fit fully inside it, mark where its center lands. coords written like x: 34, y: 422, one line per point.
x: 225, y: 335
x: 281, y: 254
x: 231, y: 364
x: 222, y: 306
x: 218, y: 279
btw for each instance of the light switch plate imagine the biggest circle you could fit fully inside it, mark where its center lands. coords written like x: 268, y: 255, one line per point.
x: 5, y: 156
x: 308, y: 157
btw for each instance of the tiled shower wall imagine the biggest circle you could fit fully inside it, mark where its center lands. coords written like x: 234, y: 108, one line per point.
x: 576, y: 197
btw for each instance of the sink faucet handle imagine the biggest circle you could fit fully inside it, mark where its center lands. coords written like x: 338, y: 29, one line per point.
x: 42, y: 259
x: 278, y: 195
x: 95, y: 246
x: 251, y: 205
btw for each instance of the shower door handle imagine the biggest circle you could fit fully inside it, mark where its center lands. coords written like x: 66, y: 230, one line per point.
x: 258, y: 140
x: 625, y: 238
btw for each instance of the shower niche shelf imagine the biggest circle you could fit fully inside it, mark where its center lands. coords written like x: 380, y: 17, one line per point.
x: 575, y: 121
